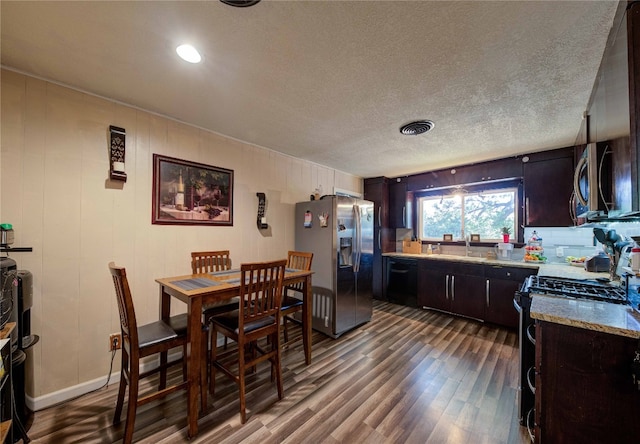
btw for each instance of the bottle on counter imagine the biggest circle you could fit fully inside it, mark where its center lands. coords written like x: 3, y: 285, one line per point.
x: 634, y: 259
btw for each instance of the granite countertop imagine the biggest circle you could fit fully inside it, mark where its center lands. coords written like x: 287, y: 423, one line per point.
x: 605, y: 317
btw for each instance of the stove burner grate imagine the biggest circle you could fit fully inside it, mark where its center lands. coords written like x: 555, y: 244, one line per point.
x: 576, y: 288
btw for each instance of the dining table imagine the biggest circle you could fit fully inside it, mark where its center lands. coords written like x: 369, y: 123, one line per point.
x: 198, y: 290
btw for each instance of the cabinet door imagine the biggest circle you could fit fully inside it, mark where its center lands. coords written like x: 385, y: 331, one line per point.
x: 548, y: 185
x: 499, y: 300
x: 433, y: 290
x: 468, y: 295
x: 502, y: 283
x: 399, y: 211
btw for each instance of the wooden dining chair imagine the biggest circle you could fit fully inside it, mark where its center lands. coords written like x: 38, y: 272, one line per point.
x: 139, y: 342
x: 208, y: 262
x: 292, y: 303
x: 258, y: 316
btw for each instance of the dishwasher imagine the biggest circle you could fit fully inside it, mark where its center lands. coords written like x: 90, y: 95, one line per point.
x: 402, y: 281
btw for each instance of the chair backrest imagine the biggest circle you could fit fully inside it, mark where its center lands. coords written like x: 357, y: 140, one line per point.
x: 207, y: 261
x: 128, y: 323
x: 261, y: 291
x: 299, y: 260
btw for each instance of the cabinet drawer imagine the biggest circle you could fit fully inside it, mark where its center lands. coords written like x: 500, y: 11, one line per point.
x: 509, y: 273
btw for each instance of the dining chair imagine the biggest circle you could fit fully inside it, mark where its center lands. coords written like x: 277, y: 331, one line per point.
x: 258, y: 316
x: 140, y: 342
x: 291, y: 304
x: 209, y: 262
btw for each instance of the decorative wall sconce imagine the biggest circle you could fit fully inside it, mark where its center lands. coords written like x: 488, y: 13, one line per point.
x: 262, y: 219
x: 116, y: 154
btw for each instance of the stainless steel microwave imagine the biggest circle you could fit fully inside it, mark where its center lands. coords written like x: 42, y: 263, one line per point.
x: 592, y: 181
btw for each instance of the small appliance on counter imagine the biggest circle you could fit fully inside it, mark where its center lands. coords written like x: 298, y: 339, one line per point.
x: 6, y: 235
x: 597, y: 263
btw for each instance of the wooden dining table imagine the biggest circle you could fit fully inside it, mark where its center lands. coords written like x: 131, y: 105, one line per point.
x: 198, y: 290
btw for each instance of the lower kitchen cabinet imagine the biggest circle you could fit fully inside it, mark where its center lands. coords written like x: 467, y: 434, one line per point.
x: 451, y: 286
x: 501, y: 283
x: 584, y: 390
x: 478, y: 291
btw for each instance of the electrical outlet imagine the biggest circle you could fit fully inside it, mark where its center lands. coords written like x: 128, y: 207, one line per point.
x: 115, y: 341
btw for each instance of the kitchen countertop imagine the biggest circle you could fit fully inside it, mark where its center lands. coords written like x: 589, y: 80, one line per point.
x: 617, y: 319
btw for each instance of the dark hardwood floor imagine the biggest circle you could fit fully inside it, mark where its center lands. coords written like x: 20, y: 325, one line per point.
x: 408, y: 376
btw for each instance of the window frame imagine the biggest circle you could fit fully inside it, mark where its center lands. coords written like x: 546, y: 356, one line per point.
x: 515, y: 185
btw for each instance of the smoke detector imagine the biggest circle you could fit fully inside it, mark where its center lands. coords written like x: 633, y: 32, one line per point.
x: 417, y: 127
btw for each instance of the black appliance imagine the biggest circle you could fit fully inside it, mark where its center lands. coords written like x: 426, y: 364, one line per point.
x: 549, y: 286
x: 16, y: 295
x: 402, y: 281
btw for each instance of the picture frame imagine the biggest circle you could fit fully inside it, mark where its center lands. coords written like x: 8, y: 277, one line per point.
x: 447, y: 237
x: 191, y: 193
x: 475, y: 238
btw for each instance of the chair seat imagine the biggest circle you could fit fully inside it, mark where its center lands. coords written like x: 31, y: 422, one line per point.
x: 231, y: 321
x: 211, y: 310
x: 154, y: 333
x: 289, y: 302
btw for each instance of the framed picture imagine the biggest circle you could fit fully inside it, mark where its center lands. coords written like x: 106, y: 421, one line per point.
x: 475, y: 238
x: 190, y: 193
x: 447, y: 238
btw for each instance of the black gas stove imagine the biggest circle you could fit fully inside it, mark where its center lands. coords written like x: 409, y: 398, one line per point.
x: 576, y: 288
x: 558, y: 287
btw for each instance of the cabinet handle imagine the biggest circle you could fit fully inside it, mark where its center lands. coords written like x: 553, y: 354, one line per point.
x: 446, y: 288
x: 379, y: 240
x: 526, y: 210
x: 453, y: 287
x: 380, y: 216
x: 404, y: 216
x: 487, y: 291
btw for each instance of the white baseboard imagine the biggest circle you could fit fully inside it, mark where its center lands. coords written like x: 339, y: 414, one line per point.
x: 68, y: 393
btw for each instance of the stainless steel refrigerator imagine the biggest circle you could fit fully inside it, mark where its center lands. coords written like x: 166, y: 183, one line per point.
x: 338, y: 230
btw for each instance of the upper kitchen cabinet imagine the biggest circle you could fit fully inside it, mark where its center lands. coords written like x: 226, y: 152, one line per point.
x: 376, y: 190
x: 400, y: 204
x: 491, y: 171
x: 548, y: 185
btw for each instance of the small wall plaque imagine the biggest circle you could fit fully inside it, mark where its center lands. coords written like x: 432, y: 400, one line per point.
x: 117, y: 154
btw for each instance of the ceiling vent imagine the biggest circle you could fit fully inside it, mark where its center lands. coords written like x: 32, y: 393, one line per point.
x: 417, y: 127
x: 240, y: 3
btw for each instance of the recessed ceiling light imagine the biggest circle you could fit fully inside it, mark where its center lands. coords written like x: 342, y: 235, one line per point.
x: 417, y: 127
x: 189, y: 53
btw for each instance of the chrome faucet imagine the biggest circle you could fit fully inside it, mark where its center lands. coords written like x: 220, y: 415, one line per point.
x: 467, y: 240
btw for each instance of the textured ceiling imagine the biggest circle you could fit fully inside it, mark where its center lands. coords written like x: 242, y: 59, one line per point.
x: 332, y: 81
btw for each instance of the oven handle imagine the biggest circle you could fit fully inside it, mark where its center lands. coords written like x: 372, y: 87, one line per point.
x: 517, y: 306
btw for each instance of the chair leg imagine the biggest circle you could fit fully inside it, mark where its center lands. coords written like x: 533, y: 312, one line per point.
x: 120, y: 402
x: 278, y: 366
x: 133, y: 404
x: 185, y: 374
x: 212, y: 360
x: 163, y: 370
x: 121, y: 389
x: 204, y: 373
x: 241, y: 384
x: 286, y: 329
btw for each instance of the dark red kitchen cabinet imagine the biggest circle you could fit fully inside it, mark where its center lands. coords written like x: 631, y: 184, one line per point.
x: 548, y: 185
x: 584, y: 390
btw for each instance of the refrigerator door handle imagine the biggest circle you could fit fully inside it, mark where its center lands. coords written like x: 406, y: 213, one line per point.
x: 358, y: 236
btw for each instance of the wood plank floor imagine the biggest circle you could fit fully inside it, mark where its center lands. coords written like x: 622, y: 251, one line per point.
x: 408, y: 376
